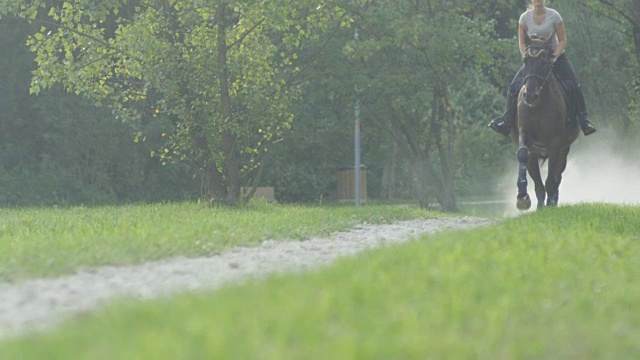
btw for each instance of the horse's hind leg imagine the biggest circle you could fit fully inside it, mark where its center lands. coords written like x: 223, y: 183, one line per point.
x: 557, y: 165
x: 523, y: 202
x: 534, y: 170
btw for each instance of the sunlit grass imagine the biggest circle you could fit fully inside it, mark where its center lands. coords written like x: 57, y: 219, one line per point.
x: 53, y: 241
x: 561, y: 283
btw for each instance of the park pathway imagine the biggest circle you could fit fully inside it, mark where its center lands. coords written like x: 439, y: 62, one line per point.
x: 41, y: 304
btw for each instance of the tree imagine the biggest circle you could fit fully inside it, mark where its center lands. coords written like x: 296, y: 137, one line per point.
x: 225, y: 72
x: 413, y: 53
x: 57, y: 148
x: 610, y: 34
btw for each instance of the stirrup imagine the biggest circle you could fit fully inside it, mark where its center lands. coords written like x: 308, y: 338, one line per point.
x: 500, y: 126
x: 587, y: 127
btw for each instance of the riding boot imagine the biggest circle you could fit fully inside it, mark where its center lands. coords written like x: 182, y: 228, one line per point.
x: 587, y: 126
x: 581, y: 110
x: 503, y: 124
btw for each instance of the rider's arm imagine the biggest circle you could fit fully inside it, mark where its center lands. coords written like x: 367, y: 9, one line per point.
x: 521, y: 35
x: 562, y: 40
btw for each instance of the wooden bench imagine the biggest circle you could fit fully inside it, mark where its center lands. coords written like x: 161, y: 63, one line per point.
x: 263, y: 192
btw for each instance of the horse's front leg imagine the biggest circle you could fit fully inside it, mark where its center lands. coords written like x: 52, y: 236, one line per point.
x: 523, y: 202
x: 534, y: 170
x: 557, y: 165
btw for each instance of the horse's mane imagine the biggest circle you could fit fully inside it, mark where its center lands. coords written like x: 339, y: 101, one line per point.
x: 538, y: 41
x: 541, y: 43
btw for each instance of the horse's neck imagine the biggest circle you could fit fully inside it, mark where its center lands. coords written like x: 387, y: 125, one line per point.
x: 552, y: 99
x: 552, y: 87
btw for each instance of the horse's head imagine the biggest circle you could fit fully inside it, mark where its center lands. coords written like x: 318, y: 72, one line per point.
x: 537, y: 67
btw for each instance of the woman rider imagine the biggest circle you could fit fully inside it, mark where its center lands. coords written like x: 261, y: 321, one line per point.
x: 540, y: 20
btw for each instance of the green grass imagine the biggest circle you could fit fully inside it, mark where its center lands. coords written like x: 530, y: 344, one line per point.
x: 490, y: 210
x: 54, y: 241
x: 556, y: 284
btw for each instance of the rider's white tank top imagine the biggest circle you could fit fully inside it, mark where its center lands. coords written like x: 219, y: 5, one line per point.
x: 548, y: 26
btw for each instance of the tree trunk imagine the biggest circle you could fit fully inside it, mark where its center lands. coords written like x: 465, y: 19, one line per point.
x: 418, y: 145
x: 388, y: 181
x: 442, y: 115
x: 212, y: 187
x: 212, y: 183
x: 420, y: 186
x: 635, y: 23
x: 231, y: 169
x: 409, y: 143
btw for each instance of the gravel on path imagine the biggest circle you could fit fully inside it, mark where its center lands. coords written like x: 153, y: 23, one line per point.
x: 42, y: 304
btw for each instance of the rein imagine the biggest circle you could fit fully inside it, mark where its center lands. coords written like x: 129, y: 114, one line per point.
x: 534, y: 53
x: 544, y: 79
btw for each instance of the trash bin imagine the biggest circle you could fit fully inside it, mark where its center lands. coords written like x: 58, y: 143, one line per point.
x: 346, y: 183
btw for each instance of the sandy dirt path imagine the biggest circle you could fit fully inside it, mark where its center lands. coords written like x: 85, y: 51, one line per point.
x: 41, y: 304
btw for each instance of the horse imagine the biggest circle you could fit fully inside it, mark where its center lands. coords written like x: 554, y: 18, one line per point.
x: 543, y: 131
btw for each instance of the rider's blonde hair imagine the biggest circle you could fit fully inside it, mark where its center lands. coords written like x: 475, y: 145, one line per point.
x: 531, y: 5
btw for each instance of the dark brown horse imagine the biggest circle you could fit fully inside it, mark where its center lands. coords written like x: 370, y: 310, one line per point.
x: 543, y: 128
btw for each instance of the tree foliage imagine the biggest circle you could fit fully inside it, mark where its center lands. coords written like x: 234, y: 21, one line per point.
x: 224, y: 71
x: 610, y: 32
x: 256, y: 92
x: 412, y: 54
x: 57, y: 148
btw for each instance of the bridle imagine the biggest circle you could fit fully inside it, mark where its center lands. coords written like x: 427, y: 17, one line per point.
x: 534, y: 52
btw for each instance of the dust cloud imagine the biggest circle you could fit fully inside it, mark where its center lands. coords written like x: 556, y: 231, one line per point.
x: 600, y: 169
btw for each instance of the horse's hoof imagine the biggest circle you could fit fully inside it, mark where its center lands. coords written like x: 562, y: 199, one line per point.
x: 523, y: 202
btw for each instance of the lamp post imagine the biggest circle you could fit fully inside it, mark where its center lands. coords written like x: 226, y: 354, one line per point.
x: 357, y: 142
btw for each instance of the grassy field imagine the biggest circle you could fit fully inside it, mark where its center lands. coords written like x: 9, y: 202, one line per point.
x: 556, y: 284
x: 54, y: 241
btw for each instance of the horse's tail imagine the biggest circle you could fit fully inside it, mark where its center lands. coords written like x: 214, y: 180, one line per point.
x: 543, y: 159
x: 541, y: 151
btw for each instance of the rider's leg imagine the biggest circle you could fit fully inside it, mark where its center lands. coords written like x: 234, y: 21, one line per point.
x: 563, y: 70
x: 581, y: 110
x: 504, y: 123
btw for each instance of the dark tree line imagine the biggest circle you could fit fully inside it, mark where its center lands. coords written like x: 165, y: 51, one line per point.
x: 115, y: 101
